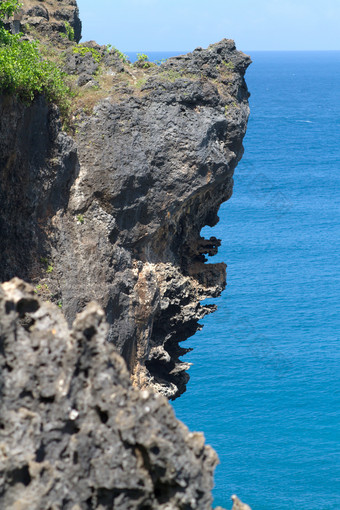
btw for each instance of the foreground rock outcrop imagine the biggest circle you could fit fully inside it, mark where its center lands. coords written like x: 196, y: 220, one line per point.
x: 114, y: 213
x: 74, y: 433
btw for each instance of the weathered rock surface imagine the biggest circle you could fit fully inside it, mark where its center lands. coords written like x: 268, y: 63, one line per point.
x: 112, y: 213
x: 50, y: 19
x: 74, y: 433
x: 238, y: 505
x: 115, y: 215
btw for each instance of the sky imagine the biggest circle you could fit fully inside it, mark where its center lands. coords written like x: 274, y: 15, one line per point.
x: 182, y: 25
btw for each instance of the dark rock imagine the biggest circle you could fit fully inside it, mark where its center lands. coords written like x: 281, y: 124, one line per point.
x: 155, y: 164
x: 38, y: 10
x: 83, y: 79
x: 38, y: 164
x: 114, y: 62
x: 49, y: 24
x: 74, y: 433
x: 80, y: 64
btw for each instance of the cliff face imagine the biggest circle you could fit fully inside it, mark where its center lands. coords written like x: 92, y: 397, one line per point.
x: 48, y: 19
x: 115, y: 215
x: 110, y: 211
x: 74, y: 433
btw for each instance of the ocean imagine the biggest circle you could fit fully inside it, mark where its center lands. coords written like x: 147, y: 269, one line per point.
x: 264, y: 384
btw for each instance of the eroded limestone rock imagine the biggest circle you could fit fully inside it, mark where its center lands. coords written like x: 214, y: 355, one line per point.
x: 114, y: 213
x: 74, y: 433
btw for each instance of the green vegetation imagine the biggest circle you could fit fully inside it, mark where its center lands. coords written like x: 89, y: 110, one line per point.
x: 172, y: 75
x: 83, y: 50
x: 141, y: 82
x: 142, y: 61
x: 80, y: 218
x: 38, y: 288
x: 229, y: 65
x: 160, y: 62
x: 69, y: 31
x: 48, y: 265
x: 23, y: 71
x: 8, y: 8
x: 119, y: 54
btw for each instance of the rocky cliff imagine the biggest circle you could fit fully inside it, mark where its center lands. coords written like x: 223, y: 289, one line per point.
x: 74, y: 433
x: 110, y: 209
x: 48, y: 19
x: 114, y: 212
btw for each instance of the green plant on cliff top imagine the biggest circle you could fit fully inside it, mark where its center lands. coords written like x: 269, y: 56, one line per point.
x: 23, y: 71
x: 228, y: 65
x: 143, y: 61
x: 119, y: 54
x: 82, y: 50
x: 69, y: 31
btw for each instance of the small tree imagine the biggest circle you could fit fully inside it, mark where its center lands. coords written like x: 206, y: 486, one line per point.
x: 8, y: 8
x: 142, y: 61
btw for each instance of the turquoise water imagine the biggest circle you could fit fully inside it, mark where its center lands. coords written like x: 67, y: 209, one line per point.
x: 264, y: 386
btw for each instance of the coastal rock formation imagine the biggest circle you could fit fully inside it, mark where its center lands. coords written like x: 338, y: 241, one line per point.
x: 50, y: 19
x: 74, y: 433
x: 110, y: 209
x: 238, y: 505
x: 114, y: 213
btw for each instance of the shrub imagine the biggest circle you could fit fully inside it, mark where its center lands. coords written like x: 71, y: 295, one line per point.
x: 82, y: 50
x: 119, y: 54
x: 228, y: 65
x: 69, y: 31
x: 142, y: 61
x: 24, y: 72
x: 8, y: 8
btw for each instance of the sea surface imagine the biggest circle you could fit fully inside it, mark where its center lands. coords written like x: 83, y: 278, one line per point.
x: 264, y: 384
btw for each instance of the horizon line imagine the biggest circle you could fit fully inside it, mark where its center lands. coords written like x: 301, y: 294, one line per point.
x: 267, y: 51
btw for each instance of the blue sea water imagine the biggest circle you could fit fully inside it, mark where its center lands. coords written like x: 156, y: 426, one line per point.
x: 264, y: 384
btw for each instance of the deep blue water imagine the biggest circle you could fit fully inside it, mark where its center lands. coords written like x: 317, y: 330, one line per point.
x: 264, y: 386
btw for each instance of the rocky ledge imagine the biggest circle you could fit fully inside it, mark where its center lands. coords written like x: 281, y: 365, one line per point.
x: 74, y: 433
x: 113, y: 210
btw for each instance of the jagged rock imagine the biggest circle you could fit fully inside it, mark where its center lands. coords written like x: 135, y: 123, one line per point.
x: 238, y: 505
x: 80, y: 64
x: 83, y: 79
x: 49, y: 19
x: 38, y: 10
x: 74, y: 433
x: 149, y: 167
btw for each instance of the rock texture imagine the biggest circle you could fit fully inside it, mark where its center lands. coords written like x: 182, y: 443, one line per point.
x: 110, y: 211
x: 74, y: 433
x: 49, y: 19
x: 238, y: 505
x: 38, y: 163
x: 115, y: 214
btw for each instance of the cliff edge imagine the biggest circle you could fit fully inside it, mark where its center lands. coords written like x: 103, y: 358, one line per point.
x: 105, y: 202
x: 113, y: 213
